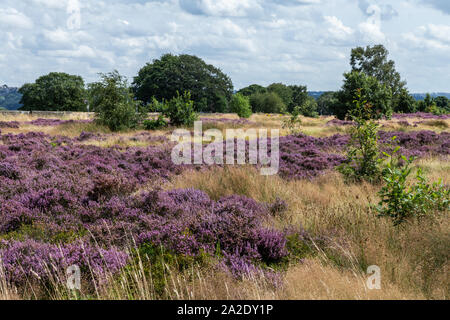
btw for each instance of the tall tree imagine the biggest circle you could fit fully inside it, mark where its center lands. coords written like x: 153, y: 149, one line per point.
x: 378, y: 95
x: 210, y: 88
x: 373, y: 61
x: 54, y: 92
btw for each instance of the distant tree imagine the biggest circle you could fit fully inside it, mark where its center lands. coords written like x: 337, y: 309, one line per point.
x: 426, y: 103
x: 372, y: 91
x: 210, y: 88
x: 240, y: 105
x: 299, y: 96
x: 443, y: 103
x: 251, y: 89
x: 373, y: 61
x: 325, y: 101
x: 283, y: 91
x: 268, y: 102
x: 113, y: 102
x: 309, y: 108
x: 54, y: 92
x: 404, y: 102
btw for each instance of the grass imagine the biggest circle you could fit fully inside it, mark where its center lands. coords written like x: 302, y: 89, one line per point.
x: 414, y: 258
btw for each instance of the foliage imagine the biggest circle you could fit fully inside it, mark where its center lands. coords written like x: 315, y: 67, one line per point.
x: 401, y: 202
x: 114, y: 104
x: 325, y: 101
x: 299, y: 96
x: 268, y: 102
x: 210, y: 88
x: 283, y: 91
x: 54, y: 92
x: 362, y: 153
x: 252, y: 89
x: 155, y: 124
x: 404, y: 102
x: 308, y: 108
x: 294, y: 122
x: 373, y: 61
x: 180, y: 110
x: 370, y: 89
x: 240, y: 104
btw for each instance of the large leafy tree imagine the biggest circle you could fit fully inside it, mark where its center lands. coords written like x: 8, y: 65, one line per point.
x: 283, y: 91
x: 54, y: 92
x: 252, y: 89
x: 404, y: 102
x: 210, y: 88
x: 299, y: 97
x: 373, y: 61
x: 377, y: 94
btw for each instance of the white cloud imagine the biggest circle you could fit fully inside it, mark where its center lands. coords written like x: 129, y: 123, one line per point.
x: 337, y: 29
x: 10, y: 17
x: 371, y: 29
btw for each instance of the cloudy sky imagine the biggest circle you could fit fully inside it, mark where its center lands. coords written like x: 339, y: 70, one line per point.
x: 253, y: 41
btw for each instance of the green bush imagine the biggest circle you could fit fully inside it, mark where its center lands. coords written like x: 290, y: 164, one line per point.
x: 268, y: 102
x: 155, y: 124
x: 180, y: 110
x: 240, y: 104
x: 363, y: 161
x: 114, y: 104
x: 401, y: 202
x: 309, y: 108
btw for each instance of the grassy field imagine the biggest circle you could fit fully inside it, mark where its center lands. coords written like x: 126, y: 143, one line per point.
x: 413, y: 257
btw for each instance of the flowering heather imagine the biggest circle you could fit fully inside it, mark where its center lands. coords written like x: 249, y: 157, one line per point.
x: 53, y: 122
x: 227, y: 121
x: 337, y: 122
x: 422, y: 115
x: 9, y: 124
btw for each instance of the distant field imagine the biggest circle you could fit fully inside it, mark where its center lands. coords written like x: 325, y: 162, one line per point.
x: 141, y: 227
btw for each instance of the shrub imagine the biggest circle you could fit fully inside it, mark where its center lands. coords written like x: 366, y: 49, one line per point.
x: 155, y: 124
x: 268, y: 102
x: 240, y: 104
x: 180, y: 110
x: 294, y: 122
x: 400, y: 202
x: 362, y: 153
x: 309, y: 108
x: 113, y: 103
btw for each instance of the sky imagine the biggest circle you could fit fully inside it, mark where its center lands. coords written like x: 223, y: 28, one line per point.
x: 305, y: 42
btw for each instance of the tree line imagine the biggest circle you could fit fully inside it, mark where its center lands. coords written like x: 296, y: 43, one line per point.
x: 211, y: 90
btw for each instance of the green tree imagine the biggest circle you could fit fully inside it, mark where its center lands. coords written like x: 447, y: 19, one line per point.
x: 325, y: 101
x: 283, y: 91
x: 443, y: 103
x: 54, y: 92
x: 180, y: 110
x: 252, y: 89
x: 373, y: 61
x: 299, y: 96
x: 240, y: 104
x: 371, y: 90
x: 309, y: 108
x: 268, y: 102
x: 404, y: 102
x: 113, y: 102
x: 210, y: 88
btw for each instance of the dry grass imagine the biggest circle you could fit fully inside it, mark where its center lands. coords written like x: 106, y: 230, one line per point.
x: 414, y: 258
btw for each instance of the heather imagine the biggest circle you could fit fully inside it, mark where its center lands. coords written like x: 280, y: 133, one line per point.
x: 71, y: 200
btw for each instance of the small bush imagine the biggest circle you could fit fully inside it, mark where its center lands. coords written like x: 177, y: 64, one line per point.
x: 114, y: 104
x: 294, y: 122
x: 400, y: 202
x: 155, y: 124
x: 180, y: 110
x: 268, y: 102
x: 240, y: 104
x: 362, y: 153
